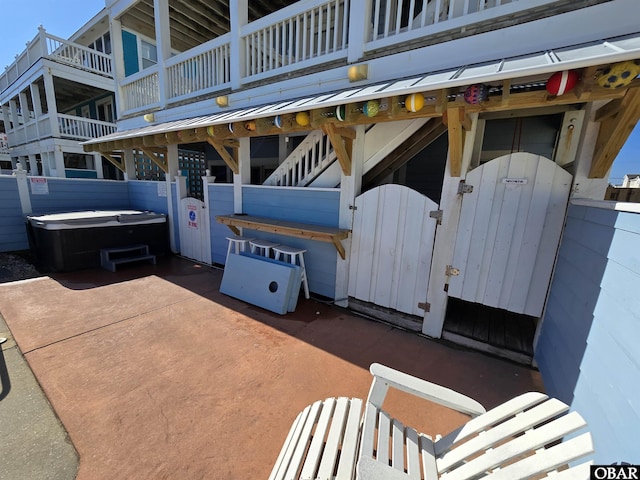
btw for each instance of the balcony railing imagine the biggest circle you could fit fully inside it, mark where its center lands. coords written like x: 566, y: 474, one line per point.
x: 57, y: 49
x: 79, y: 128
x: 308, y: 34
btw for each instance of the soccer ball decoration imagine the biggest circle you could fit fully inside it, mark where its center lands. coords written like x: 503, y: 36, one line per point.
x: 619, y: 75
x: 302, y: 119
x: 414, y: 102
x: 562, y: 82
x: 371, y: 108
x: 477, y: 93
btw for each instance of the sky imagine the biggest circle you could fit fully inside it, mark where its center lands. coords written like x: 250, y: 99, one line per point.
x: 63, y: 18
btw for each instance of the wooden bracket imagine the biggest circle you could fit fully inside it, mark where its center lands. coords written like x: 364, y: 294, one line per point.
x: 117, y: 163
x: 342, y: 142
x: 231, y: 161
x: 614, y: 131
x: 155, y: 156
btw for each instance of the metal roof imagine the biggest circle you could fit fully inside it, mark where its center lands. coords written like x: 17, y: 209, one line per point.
x: 578, y: 56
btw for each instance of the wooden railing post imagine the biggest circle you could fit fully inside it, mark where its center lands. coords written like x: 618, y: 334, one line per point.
x: 163, y: 46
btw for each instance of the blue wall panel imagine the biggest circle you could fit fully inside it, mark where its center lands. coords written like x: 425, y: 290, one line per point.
x: 588, y: 347
x: 13, y: 233
x: 220, y: 203
x: 67, y: 195
x: 176, y: 225
x: 306, y: 205
x: 143, y: 195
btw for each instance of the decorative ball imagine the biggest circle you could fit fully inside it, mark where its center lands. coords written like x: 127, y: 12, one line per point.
x: 619, y: 75
x: 414, y: 102
x: 210, y: 131
x: 231, y: 127
x: 277, y: 121
x: 371, y: 108
x: 250, y: 125
x: 477, y: 93
x: 302, y: 119
x: 341, y: 113
x: 562, y: 82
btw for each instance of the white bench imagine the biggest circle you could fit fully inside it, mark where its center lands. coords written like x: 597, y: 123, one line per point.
x: 111, y: 257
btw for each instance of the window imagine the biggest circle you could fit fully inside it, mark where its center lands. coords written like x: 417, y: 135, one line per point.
x: 149, y: 54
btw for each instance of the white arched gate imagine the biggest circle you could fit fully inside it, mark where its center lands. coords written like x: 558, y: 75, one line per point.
x: 194, y: 230
x: 391, y: 248
x: 509, y: 232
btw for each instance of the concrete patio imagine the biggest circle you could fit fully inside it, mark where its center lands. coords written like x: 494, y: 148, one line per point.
x: 156, y: 375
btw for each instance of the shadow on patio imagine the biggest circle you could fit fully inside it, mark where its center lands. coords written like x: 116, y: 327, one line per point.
x: 155, y: 374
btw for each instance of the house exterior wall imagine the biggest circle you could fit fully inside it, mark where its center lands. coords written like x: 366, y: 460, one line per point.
x: 143, y: 195
x: 13, y: 234
x: 587, y: 350
x: 220, y: 203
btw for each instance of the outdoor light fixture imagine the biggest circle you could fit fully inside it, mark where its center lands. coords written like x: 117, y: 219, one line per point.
x: 358, y: 72
x: 149, y: 117
x: 222, y: 101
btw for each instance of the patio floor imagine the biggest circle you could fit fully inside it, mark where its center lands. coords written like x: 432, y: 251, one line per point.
x: 157, y: 375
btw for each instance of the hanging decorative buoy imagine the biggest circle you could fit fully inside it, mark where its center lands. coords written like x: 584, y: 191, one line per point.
x: 210, y: 131
x: 414, y: 102
x: 371, y: 108
x: 230, y: 126
x: 277, y: 121
x: 250, y: 125
x: 476, y: 93
x: 302, y: 119
x: 619, y: 75
x: 562, y: 82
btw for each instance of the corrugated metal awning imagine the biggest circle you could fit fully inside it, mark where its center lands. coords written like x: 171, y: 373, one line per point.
x: 521, y: 67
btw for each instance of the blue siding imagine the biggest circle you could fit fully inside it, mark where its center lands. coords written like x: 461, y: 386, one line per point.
x: 143, y: 195
x: 220, y: 203
x: 13, y: 233
x: 588, y: 347
x: 73, y: 195
x: 314, y: 206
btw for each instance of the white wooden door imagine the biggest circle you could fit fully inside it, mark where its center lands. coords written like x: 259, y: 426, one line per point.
x: 194, y: 230
x: 509, y: 231
x: 391, y: 248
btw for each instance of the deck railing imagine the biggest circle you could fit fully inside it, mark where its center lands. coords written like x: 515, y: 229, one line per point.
x: 308, y: 34
x: 314, y: 154
x: 80, y: 128
x: 54, y: 48
x: 4, y: 144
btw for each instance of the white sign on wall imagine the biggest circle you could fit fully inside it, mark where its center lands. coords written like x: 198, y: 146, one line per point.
x: 39, y: 186
x: 162, y: 189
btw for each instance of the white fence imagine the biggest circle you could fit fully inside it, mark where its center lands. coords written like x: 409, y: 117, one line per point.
x: 79, y: 128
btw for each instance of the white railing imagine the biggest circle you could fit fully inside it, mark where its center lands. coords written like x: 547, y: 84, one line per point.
x: 305, y: 163
x: 45, y: 45
x: 79, y: 128
x: 309, y: 31
x: 307, y: 34
x: 141, y: 90
x: 201, y: 69
x: 78, y: 56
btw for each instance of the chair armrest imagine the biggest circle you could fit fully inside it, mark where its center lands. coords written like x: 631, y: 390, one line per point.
x: 420, y: 388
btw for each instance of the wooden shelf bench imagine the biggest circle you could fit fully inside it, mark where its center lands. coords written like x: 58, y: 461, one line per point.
x: 110, y: 258
x: 283, y: 227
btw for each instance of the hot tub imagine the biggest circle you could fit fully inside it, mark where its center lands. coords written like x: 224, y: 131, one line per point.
x: 72, y: 241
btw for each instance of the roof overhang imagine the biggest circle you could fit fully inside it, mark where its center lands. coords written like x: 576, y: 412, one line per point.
x: 515, y: 83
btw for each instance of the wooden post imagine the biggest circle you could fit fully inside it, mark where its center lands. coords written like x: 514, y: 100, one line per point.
x: 163, y: 46
x: 244, y: 175
x: 359, y: 25
x: 117, y: 59
x: 172, y: 171
x: 238, y: 18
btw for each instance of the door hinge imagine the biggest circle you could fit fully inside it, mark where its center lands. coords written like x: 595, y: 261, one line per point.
x: 451, y: 271
x: 464, y: 188
x: 437, y: 214
x: 426, y: 306
x: 352, y: 207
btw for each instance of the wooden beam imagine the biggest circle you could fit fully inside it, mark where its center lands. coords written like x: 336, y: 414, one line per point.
x: 155, y: 158
x: 608, y: 110
x: 506, y: 91
x: 456, y: 139
x: 116, y: 163
x: 337, y: 141
x: 614, y: 132
x: 231, y: 162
